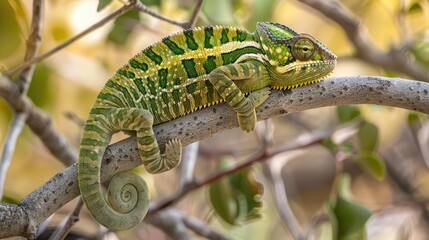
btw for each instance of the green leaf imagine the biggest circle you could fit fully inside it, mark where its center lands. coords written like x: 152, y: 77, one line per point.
x: 41, y: 84
x: 123, y: 26
x: 351, y: 216
x: 415, y: 8
x: 368, y: 137
x: 347, y: 113
x: 413, y: 118
x: 10, y: 198
x: 374, y: 164
x: 420, y: 50
x: 236, y: 198
x: 102, y: 4
x: 329, y: 144
x: 222, y: 200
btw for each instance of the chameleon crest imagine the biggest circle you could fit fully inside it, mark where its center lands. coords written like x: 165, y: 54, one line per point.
x: 180, y: 74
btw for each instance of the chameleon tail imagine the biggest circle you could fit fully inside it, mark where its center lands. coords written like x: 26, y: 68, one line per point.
x: 128, y: 197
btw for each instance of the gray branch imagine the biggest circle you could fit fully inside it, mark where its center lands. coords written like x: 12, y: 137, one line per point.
x: 121, y: 156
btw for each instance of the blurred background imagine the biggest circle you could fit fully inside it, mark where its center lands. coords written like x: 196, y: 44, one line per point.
x: 388, y: 188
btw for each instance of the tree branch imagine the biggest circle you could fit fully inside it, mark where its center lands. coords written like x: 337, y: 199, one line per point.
x: 121, y: 156
x: 39, y: 122
x: 22, y: 84
x: 396, y: 59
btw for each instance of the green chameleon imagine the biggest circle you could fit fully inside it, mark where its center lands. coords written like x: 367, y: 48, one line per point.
x: 176, y: 76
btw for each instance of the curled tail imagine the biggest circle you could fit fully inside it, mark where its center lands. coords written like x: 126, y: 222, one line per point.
x: 128, y: 197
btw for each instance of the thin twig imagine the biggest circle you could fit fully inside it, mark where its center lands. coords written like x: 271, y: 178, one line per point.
x: 61, y: 232
x: 133, y: 4
x: 15, y: 127
x: 22, y: 83
x: 261, y: 156
x: 174, y: 224
x: 190, y: 155
x: 39, y: 121
x: 395, y: 59
x: 282, y: 203
x: 193, y: 20
x: 51, y: 52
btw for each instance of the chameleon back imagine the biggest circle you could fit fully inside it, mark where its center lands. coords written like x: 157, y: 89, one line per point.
x: 169, y: 78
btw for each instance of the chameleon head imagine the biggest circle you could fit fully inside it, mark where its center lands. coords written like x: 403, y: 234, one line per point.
x: 294, y: 59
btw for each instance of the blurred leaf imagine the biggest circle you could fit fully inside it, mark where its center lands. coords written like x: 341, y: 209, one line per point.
x: 151, y: 2
x: 245, y: 182
x: 102, y: 4
x: 219, y: 12
x: 10, y: 29
x: 368, y: 137
x: 41, y: 90
x: 330, y: 145
x: 413, y: 118
x: 374, y: 164
x: 351, y: 219
x: 415, y: 8
x: 236, y: 198
x: 123, y: 26
x: 221, y: 198
x: 351, y: 216
x: 10, y: 198
x: 347, y: 113
x: 420, y: 50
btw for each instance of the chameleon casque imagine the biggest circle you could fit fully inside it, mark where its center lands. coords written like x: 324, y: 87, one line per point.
x: 176, y: 76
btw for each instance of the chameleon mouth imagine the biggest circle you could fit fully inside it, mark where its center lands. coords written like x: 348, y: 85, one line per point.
x: 302, y: 74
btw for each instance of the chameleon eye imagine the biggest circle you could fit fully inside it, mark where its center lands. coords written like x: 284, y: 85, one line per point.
x: 303, y: 48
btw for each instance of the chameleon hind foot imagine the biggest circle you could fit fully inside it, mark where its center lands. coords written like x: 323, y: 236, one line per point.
x: 170, y: 159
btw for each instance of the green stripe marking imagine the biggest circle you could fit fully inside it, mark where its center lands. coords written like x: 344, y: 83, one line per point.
x: 135, y: 94
x: 190, y: 41
x: 191, y: 87
x: 151, y: 86
x: 197, y: 98
x: 152, y: 55
x: 138, y: 65
x: 147, y: 140
x: 224, y: 38
x: 241, y: 36
x: 162, y: 74
x: 123, y: 90
x: 112, y: 98
x: 176, y: 95
x: 189, y: 65
x: 138, y: 82
x: 233, y: 70
x: 92, y: 142
x: 94, y: 128
x: 210, y: 91
x: 125, y: 73
x: 165, y: 97
x: 210, y: 64
x: 208, y: 35
x: 173, y: 46
x: 245, y: 69
x: 231, y: 57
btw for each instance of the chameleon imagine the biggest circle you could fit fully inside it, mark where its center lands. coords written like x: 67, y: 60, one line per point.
x: 178, y: 75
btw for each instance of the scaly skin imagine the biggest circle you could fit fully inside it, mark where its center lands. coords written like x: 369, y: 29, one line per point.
x: 179, y: 75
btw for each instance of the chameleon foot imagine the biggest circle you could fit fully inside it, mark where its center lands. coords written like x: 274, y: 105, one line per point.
x: 259, y: 96
x: 171, y: 158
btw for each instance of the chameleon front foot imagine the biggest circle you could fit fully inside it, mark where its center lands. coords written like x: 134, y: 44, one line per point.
x: 246, y: 117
